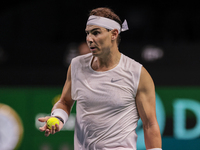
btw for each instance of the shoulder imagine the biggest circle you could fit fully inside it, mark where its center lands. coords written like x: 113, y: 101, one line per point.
x: 146, y: 81
x: 85, y: 56
x: 81, y: 59
x: 133, y: 69
x: 130, y: 62
x: 131, y: 65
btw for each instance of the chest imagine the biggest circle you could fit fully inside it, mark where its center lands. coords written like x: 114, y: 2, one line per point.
x: 112, y: 89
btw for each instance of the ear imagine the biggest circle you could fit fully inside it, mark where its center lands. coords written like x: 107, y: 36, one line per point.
x: 115, y: 34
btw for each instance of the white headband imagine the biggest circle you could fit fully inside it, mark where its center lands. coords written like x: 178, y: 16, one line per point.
x: 107, y: 23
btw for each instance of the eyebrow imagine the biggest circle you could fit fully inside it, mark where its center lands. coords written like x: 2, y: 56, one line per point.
x: 92, y: 30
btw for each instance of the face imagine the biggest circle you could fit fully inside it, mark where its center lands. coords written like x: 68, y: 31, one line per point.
x: 98, y: 40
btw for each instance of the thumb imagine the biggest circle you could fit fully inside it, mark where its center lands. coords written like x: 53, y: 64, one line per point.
x: 43, y: 119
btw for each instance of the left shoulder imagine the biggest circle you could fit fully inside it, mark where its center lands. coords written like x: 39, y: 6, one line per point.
x: 146, y: 81
x: 130, y: 62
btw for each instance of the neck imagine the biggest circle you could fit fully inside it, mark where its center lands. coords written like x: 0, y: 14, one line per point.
x: 107, y: 62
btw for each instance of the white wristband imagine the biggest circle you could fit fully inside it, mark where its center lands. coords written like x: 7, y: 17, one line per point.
x: 60, y: 113
x: 155, y: 149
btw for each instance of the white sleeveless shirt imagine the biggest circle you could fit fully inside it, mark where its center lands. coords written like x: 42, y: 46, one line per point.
x: 106, y: 113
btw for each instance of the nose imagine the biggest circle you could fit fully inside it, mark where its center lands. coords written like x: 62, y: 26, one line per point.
x: 89, y: 39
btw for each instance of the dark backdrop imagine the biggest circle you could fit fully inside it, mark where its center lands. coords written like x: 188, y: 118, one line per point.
x: 34, y: 36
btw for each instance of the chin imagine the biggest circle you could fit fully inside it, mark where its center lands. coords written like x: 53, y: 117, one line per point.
x: 95, y: 54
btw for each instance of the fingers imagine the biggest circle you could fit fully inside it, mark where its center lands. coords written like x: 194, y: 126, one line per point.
x: 54, y: 129
x: 57, y: 128
x: 43, y: 119
x: 43, y: 128
x: 47, y: 132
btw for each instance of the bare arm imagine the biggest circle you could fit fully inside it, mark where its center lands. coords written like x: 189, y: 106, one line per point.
x: 145, y: 100
x: 64, y: 103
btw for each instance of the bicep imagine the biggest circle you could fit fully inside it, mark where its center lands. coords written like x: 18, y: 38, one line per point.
x: 66, y: 101
x: 66, y: 92
x: 145, y: 98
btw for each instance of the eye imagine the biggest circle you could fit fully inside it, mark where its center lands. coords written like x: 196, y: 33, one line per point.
x: 95, y: 32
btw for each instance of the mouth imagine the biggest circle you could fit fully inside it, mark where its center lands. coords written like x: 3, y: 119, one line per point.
x: 92, y: 48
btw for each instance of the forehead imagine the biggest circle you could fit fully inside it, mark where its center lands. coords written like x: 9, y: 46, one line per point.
x: 93, y: 27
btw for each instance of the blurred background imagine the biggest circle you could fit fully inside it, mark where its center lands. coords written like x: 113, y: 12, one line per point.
x: 38, y: 39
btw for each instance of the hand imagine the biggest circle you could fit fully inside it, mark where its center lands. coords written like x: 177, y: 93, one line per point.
x: 53, y: 129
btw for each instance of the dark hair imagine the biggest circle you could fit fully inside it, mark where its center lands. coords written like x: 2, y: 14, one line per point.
x: 107, y: 13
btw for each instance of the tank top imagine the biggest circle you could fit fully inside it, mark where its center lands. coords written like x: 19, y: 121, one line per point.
x: 106, y: 113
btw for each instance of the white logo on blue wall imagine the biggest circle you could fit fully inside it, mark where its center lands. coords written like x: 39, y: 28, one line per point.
x: 180, y: 130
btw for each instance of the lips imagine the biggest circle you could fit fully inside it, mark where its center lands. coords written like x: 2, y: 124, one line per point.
x: 92, y: 48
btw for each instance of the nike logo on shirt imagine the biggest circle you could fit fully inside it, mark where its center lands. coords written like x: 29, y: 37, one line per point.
x: 112, y: 80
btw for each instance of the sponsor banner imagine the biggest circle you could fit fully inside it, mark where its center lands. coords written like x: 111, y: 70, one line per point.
x: 177, y: 108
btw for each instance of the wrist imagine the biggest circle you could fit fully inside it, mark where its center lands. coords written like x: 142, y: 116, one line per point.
x: 60, y: 114
x: 60, y: 119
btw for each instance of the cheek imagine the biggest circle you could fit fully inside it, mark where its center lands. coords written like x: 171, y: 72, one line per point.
x: 101, y: 41
x: 104, y: 40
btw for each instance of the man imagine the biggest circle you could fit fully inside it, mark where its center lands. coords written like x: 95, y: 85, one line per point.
x: 111, y: 90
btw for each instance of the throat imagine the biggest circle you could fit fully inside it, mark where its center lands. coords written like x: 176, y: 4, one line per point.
x: 105, y: 64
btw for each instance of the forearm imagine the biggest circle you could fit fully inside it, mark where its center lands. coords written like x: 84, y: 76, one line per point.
x: 61, y: 104
x: 62, y: 109
x: 152, y: 136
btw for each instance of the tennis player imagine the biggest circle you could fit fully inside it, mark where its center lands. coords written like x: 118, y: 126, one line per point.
x: 111, y: 90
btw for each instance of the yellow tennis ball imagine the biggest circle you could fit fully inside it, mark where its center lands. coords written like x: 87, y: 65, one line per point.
x: 52, y: 122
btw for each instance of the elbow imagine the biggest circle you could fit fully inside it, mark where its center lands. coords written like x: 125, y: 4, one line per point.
x: 150, y: 124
